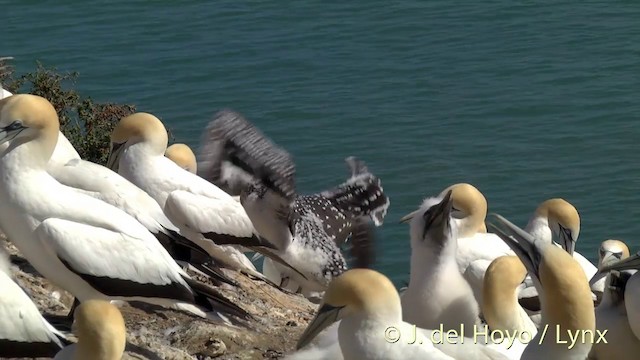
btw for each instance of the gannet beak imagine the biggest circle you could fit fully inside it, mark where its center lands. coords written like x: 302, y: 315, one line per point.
x: 326, y: 316
x: 10, y: 131
x: 113, y: 162
x: 608, y: 259
x: 405, y: 219
x: 566, y: 240
x: 632, y: 262
x: 519, y: 241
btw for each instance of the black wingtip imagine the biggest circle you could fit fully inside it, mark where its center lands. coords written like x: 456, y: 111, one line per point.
x: 207, y: 295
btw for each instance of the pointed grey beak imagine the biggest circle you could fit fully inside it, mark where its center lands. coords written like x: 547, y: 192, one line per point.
x: 405, y: 219
x: 10, y: 131
x: 632, y: 262
x: 326, y: 316
x: 522, y: 243
x: 113, y: 162
x: 566, y: 240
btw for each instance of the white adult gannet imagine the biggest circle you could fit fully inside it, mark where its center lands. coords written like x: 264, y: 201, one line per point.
x: 611, y: 316
x: 500, y: 308
x: 609, y: 252
x: 80, y: 243
x: 23, y: 330
x: 437, y: 294
x: 182, y: 155
x: 565, y: 297
x: 309, y: 228
x: 101, y: 332
x: 204, y: 214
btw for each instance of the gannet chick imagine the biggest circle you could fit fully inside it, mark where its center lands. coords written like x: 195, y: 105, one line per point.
x: 182, y: 155
x: 310, y: 228
x: 609, y: 252
x: 101, y: 333
x: 437, y: 293
x: 565, y: 297
x: 366, y: 303
x: 87, y: 253
x: 23, y: 330
x: 611, y: 316
x: 204, y: 214
x: 500, y: 308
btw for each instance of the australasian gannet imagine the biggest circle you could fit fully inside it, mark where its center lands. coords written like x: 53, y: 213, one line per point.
x: 182, y: 155
x: 24, y: 333
x: 204, y: 214
x: 565, y: 297
x: 101, y: 332
x: 437, y: 294
x: 309, y: 228
x: 611, y: 317
x: 80, y: 243
x: 609, y: 252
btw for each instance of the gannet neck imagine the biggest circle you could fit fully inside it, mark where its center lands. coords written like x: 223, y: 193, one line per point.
x: 33, y: 143
x: 143, y: 129
x: 471, y: 206
x: 367, y: 292
x: 539, y: 228
x: 560, y: 213
x: 499, y: 293
x: 101, y: 331
x: 182, y: 155
x: 63, y: 152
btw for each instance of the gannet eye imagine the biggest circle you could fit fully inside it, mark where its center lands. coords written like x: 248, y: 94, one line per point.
x: 16, y: 125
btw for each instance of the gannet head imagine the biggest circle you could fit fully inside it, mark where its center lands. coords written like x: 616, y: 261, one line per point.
x: 138, y: 128
x: 563, y: 220
x: 501, y: 281
x: 101, y: 331
x: 29, y: 118
x: 182, y: 155
x: 356, y: 291
x: 565, y: 295
x: 611, y: 251
x: 432, y: 226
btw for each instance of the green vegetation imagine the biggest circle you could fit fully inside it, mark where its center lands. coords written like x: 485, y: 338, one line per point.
x: 85, y: 122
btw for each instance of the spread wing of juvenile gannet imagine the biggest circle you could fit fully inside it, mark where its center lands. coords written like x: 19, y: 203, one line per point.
x: 23, y: 330
x: 83, y: 245
x: 308, y: 228
x: 565, y: 296
x: 204, y: 214
x: 437, y: 294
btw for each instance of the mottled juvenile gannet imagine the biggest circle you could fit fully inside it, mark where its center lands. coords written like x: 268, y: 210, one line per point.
x: 101, y: 332
x: 23, y: 330
x: 182, y: 155
x: 437, y: 294
x: 500, y: 306
x: 204, y: 214
x: 80, y: 243
x: 611, y: 316
x: 609, y: 252
x: 308, y: 228
x: 565, y: 297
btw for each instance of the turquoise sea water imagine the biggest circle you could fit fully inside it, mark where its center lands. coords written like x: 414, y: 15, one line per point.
x: 526, y: 101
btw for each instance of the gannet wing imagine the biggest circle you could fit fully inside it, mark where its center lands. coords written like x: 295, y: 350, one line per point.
x: 232, y: 138
x: 115, y: 263
x: 363, y: 244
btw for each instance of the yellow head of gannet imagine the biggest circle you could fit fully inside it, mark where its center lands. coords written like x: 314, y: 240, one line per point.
x: 35, y: 120
x: 468, y: 204
x: 137, y: 128
x: 566, y: 299
x: 101, y: 331
x: 499, y: 293
x: 563, y: 219
x: 611, y: 251
x: 355, y: 291
x: 182, y: 155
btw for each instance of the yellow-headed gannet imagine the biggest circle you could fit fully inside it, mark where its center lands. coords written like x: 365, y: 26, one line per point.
x: 567, y: 330
x: 23, y: 330
x: 182, y: 155
x: 101, y: 332
x: 309, y: 228
x: 609, y: 252
x: 80, y: 243
x: 437, y: 294
x: 204, y: 214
